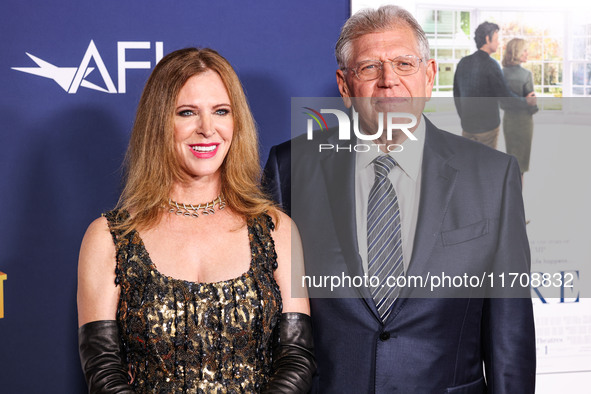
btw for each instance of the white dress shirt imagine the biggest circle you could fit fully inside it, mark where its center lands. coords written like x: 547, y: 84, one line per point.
x: 406, y: 179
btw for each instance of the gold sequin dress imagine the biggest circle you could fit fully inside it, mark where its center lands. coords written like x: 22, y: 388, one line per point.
x: 185, y: 337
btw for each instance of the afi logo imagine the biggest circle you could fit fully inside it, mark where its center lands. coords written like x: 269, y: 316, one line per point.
x: 72, y: 78
x: 392, y: 124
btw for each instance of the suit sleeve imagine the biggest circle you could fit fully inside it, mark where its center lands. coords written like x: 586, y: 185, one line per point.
x: 276, y: 179
x: 508, y: 335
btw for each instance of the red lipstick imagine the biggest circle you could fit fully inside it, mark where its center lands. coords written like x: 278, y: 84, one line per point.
x: 204, y: 151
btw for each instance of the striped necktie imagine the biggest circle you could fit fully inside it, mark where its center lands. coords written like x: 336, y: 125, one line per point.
x: 384, y: 239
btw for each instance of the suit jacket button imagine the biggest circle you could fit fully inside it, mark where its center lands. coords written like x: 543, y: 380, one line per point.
x: 385, y: 336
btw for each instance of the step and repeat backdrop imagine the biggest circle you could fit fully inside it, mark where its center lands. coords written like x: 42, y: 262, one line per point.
x: 71, y: 74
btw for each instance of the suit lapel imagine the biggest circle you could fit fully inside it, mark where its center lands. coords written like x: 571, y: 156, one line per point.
x: 437, y: 185
x: 339, y: 175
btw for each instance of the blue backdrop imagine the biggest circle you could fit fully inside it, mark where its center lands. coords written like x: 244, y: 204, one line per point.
x: 66, y: 110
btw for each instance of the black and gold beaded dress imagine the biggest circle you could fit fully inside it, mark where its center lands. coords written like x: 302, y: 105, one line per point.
x: 186, y: 337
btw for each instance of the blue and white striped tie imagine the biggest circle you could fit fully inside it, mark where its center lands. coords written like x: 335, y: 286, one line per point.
x: 384, y: 239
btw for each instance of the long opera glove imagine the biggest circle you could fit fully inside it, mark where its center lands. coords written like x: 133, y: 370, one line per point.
x: 293, y: 356
x: 100, y: 354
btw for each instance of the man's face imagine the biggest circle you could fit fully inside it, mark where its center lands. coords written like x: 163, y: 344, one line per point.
x: 493, y: 43
x: 390, y: 92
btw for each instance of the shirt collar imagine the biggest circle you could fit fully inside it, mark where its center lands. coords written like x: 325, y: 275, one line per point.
x: 409, y: 159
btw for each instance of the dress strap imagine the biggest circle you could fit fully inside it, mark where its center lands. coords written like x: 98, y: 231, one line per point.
x: 114, y: 217
x: 260, y: 228
x: 121, y: 241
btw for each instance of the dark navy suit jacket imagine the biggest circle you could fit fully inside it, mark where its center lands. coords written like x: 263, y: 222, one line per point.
x: 471, y: 218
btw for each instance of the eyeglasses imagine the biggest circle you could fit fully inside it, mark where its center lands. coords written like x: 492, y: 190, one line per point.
x: 374, y: 69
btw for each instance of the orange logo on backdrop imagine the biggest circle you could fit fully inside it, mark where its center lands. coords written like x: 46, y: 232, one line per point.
x: 2, y: 279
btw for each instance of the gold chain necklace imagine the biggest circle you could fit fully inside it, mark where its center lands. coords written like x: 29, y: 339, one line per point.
x: 190, y: 210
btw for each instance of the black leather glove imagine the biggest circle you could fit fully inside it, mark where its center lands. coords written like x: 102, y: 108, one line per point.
x: 98, y: 344
x: 293, y: 356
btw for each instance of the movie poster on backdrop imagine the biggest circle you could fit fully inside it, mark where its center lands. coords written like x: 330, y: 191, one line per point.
x: 556, y: 189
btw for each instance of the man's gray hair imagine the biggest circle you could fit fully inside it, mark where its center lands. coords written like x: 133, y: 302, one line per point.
x: 369, y: 20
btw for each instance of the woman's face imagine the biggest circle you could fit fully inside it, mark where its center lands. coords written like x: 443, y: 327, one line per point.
x: 523, y: 57
x: 203, y: 125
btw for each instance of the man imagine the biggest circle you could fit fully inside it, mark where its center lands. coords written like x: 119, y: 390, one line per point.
x: 477, y: 77
x: 450, y: 204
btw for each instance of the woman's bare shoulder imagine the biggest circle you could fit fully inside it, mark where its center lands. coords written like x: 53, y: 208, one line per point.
x: 97, y: 292
x: 97, y: 245
x: 283, y: 224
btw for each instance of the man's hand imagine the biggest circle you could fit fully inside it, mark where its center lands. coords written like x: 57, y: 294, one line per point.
x: 531, y: 99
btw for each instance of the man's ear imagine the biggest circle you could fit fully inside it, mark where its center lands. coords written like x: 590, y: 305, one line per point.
x: 343, y: 88
x: 431, y: 70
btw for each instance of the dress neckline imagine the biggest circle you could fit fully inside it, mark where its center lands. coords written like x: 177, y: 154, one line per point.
x: 150, y: 264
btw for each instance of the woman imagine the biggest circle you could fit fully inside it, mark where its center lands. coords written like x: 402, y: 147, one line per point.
x: 181, y: 287
x: 518, y: 124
